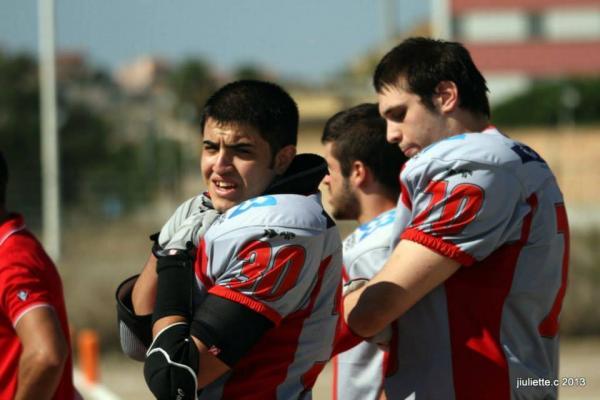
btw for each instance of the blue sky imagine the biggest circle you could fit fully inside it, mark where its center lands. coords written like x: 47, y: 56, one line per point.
x: 308, y: 39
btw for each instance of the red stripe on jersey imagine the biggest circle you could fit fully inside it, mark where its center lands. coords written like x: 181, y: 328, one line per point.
x: 345, y: 275
x: 258, y: 374
x: 475, y: 298
x: 249, y: 302
x: 549, y: 326
x: 439, y: 245
x: 345, y: 338
x: 201, y: 265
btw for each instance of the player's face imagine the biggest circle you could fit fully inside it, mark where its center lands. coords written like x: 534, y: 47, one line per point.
x: 342, y: 199
x: 236, y: 163
x: 410, y: 123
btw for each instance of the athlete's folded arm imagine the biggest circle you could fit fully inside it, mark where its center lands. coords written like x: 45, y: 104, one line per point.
x: 222, y: 332
x: 143, y: 294
x: 411, y: 272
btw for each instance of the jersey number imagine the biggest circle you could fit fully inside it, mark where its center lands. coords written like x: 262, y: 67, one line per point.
x: 549, y: 326
x: 458, y: 209
x: 269, y: 276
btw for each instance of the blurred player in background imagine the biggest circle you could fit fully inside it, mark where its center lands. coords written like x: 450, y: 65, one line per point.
x: 35, y: 351
x: 266, y: 279
x: 479, y: 265
x: 363, y: 186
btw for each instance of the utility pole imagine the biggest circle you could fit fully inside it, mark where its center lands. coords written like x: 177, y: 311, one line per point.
x: 49, y: 136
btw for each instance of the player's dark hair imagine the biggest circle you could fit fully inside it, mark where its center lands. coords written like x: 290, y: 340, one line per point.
x: 3, y: 179
x: 262, y: 105
x: 358, y: 134
x: 424, y: 63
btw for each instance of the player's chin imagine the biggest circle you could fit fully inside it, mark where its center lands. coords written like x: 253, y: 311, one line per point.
x: 411, y: 151
x: 222, y: 202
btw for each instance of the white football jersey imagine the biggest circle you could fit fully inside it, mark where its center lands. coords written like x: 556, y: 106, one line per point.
x: 359, y: 372
x: 281, y: 256
x: 493, y: 205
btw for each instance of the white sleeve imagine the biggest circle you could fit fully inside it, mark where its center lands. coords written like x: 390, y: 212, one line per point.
x: 462, y: 210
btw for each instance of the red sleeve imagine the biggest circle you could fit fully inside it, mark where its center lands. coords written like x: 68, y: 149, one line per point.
x: 22, y: 290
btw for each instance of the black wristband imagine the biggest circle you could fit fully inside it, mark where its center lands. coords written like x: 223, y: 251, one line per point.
x: 174, y: 289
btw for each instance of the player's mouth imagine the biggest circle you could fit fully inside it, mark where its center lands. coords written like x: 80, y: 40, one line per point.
x: 225, y: 189
x: 410, y: 150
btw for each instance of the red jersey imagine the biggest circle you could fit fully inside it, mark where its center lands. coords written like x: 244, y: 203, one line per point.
x: 28, y: 279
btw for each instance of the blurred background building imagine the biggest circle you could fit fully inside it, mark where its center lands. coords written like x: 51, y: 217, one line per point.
x: 516, y: 42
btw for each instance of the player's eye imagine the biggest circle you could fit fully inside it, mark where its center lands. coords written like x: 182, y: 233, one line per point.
x: 210, y: 148
x: 398, y: 114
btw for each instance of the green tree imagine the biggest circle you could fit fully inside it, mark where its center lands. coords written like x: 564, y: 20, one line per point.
x: 192, y: 82
x: 549, y: 103
x: 250, y: 71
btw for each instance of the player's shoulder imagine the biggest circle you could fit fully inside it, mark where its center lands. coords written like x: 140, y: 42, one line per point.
x: 22, y: 249
x: 466, y: 152
x: 289, y: 210
x: 196, y: 202
x: 371, y: 235
x: 490, y: 147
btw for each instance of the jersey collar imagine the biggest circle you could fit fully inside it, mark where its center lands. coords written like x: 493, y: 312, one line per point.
x: 13, y: 224
x: 303, y: 176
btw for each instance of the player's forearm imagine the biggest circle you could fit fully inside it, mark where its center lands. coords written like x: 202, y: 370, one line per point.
x: 365, y: 310
x: 143, y: 296
x: 39, y: 374
x: 411, y: 272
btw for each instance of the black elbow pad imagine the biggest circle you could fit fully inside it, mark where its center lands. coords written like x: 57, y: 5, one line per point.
x: 171, y: 367
x: 135, y: 331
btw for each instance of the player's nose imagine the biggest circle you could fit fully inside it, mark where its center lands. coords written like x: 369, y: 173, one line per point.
x: 393, y: 132
x: 223, y: 161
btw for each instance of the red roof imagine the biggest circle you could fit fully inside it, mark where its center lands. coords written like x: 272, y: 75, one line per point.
x: 538, y: 58
x: 461, y: 6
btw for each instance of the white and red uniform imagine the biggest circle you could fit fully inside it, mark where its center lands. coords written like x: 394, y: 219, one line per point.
x: 493, y: 205
x: 359, y: 372
x: 281, y: 256
x: 28, y: 279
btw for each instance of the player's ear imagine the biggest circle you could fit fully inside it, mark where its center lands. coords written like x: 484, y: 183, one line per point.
x: 446, y: 96
x: 358, y: 173
x: 284, y: 158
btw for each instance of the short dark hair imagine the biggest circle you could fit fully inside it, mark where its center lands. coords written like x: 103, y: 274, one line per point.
x: 3, y: 179
x: 262, y: 105
x: 425, y: 62
x: 358, y: 134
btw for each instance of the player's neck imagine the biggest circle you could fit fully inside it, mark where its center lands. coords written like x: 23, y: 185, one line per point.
x: 465, y: 121
x: 373, y: 204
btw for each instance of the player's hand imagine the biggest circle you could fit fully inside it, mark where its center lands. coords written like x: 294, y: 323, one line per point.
x: 192, y: 229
